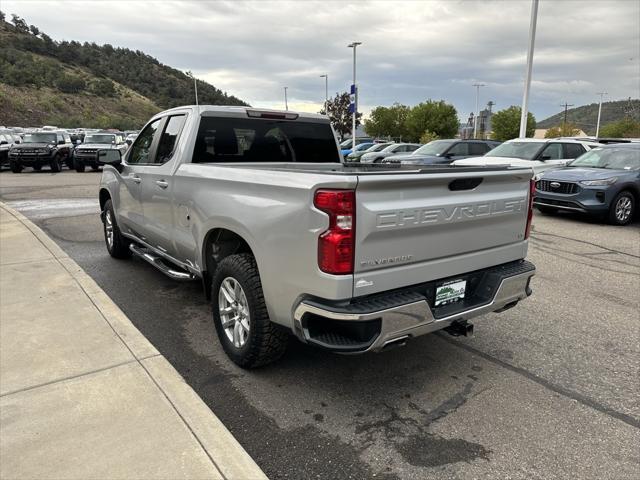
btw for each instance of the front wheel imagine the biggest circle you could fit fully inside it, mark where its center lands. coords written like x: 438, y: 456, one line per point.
x: 56, y: 164
x: 240, y: 315
x: 622, y: 209
x: 37, y: 168
x: 117, y: 244
x: 79, y: 166
x: 16, y: 167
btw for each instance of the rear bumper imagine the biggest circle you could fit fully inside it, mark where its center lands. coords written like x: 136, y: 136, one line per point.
x: 381, y: 320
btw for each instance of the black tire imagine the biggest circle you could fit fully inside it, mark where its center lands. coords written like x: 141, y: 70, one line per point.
x: 16, y: 167
x: 622, y: 209
x: 119, y: 246
x: 95, y: 168
x: 80, y: 166
x: 266, y: 342
x: 37, y: 168
x: 70, y: 163
x: 56, y: 164
x: 547, y: 210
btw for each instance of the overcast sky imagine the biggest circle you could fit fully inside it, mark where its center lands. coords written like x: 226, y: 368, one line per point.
x: 411, y: 51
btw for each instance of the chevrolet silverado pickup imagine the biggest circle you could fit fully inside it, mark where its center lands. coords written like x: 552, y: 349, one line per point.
x: 287, y: 240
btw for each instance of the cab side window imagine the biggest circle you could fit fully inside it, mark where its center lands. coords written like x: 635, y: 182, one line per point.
x: 60, y: 138
x: 169, y: 138
x: 573, y: 150
x: 141, y: 149
x: 459, y: 149
x: 476, y: 148
x: 553, y: 151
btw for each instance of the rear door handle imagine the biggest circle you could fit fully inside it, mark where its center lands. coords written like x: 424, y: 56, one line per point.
x: 162, y: 183
x: 136, y: 179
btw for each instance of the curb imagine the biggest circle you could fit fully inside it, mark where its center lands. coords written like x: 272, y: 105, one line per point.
x: 205, y: 426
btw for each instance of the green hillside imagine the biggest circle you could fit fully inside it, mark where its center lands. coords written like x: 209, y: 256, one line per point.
x: 74, y: 84
x: 586, y: 116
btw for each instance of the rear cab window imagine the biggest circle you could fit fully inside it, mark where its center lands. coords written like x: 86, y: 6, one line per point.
x: 238, y: 139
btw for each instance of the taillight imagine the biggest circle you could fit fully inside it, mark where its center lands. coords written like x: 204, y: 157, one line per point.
x: 337, y: 244
x: 532, y: 189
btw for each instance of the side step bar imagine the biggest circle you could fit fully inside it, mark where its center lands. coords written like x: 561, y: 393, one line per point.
x: 173, y: 272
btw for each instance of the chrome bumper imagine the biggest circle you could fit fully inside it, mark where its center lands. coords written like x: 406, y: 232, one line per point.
x: 416, y: 318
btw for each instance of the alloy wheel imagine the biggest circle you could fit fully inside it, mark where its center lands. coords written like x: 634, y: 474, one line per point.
x: 108, y: 229
x: 234, y: 312
x: 623, y: 209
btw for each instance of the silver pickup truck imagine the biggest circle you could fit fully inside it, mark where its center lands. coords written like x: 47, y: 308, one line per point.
x: 288, y: 240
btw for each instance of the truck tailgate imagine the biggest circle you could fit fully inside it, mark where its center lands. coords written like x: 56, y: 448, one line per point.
x: 414, y: 228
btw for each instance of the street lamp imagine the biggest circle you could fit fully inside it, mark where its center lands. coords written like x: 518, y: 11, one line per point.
x: 355, y: 94
x: 602, y: 94
x: 195, y: 84
x: 286, y: 105
x: 326, y: 91
x: 475, y: 120
x: 527, y: 82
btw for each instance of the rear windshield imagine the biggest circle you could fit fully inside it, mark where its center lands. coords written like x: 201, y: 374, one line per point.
x: 93, y: 138
x: 260, y: 140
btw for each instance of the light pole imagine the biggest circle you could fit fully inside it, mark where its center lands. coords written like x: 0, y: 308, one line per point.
x: 286, y: 104
x: 355, y: 93
x: 527, y: 82
x: 602, y: 94
x: 326, y: 91
x: 195, y: 84
x: 475, y: 121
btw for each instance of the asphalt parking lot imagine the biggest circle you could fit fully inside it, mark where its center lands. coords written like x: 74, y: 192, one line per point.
x: 548, y: 389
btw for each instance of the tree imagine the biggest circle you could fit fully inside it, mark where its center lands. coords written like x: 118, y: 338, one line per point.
x: 70, y: 83
x: 565, y: 130
x: 338, y: 111
x: 437, y: 117
x: 19, y: 23
x: 428, y: 136
x: 625, y: 128
x: 506, y: 124
x: 34, y: 30
x: 388, y: 121
x: 103, y: 87
x: 2, y: 16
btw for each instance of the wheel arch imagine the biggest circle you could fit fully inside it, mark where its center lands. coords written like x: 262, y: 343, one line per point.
x: 103, y: 196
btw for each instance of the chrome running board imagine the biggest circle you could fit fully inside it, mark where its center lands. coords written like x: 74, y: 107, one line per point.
x: 161, y: 264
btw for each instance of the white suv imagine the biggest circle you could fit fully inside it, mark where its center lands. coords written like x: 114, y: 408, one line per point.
x: 539, y: 154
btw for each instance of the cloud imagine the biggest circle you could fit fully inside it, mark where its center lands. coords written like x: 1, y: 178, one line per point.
x: 411, y: 50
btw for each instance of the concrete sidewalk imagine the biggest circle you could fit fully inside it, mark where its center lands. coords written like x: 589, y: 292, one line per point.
x: 83, y: 394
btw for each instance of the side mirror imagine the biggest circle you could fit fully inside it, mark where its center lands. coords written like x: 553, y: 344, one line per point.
x: 545, y: 157
x: 448, y: 155
x: 110, y: 157
x: 3, y: 142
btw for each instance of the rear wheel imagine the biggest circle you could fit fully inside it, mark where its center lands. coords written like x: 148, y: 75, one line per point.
x: 117, y: 244
x: 240, y: 315
x: 16, y: 167
x: 622, y: 209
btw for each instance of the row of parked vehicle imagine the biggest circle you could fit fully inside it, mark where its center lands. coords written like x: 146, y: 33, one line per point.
x: 587, y: 175
x: 55, y: 148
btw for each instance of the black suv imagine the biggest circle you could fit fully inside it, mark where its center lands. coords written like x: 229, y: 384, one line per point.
x: 41, y: 148
x: 444, y: 151
x: 86, y: 154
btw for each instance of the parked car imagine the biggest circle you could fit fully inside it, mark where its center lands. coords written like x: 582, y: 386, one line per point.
x: 359, y: 148
x: 41, y: 148
x: 537, y: 154
x: 5, y: 145
x: 394, y: 148
x: 604, y: 181
x: 355, y: 156
x: 444, y: 151
x: 86, y: 154
x: 348, y: 142
x: 205, y: 193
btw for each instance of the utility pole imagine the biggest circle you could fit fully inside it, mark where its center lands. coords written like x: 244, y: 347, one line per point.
x: 475, y: 122
x: 527, y: 82
x: 326, y: 91
x: 355, y: 93
x: 286, y: 104
x: 195, y: 84
x: 564, y: 122
x: 602, y: 94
